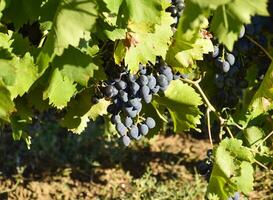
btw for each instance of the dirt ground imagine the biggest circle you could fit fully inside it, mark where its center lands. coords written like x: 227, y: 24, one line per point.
x: 163, y: 168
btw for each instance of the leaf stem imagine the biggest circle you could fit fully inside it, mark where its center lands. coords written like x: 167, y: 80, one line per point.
x: 45, y: 33
x: 261, y: 165
x: 229, y: 132
x: 260, y: 46
x: 268, y: 136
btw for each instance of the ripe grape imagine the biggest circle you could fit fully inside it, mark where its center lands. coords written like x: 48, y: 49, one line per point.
x: 126, y: 140
x: 145, y: 90
x: 162, y: 80
x: 134, y: 88
x: 115, y: 119
x: 242, y: 32
x: 134, y: 131
x: 143, y: 80
x: 225, y: 66
x: 123, y: 95
x: 152, y: 81
x: 150, y: 122
x: 110, y: 91
x: 215, y: 51
x: 121, y: 128
x: 121, y: 85
x: 230, y: 58
x: 147, y: 98
x: 143, y: 129
x: 128, y: 121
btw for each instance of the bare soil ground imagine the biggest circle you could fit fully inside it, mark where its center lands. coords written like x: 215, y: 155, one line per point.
x: 163, y: 168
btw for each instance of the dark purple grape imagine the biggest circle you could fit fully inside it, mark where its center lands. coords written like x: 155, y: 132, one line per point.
x: 121, y: 85
x: 167, y: 71
x: 123, y: 96
x: 143, y: 80
x: 156, y: 89
x: 230, y: 59
x: 143, y: 129
x: 150, y: 122
x: 162, y: 80
x: 215, y: 51
x: 152, y: 81
x: 242, y: 32
x: 133, y: 131
x: 147, y: 98
x: 110, y: 91
x: 145, y: 90
x: 128, y: 121
x: 115, y: 119
x: 121, y: 128
x: 126, y: 140
x: 132, y: 113
x: 225, y: 66
x: 134, y: 88
x: 180, y: 6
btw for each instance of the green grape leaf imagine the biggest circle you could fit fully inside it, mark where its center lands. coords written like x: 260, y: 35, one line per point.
x: 141, y: 47
x: 189, y: 44
x: 232, y: 169
x: 113, y: 6
x: 228, y: 19
x: 253, y: 135
x: 60, y: 89
x: 182, y: 102
x: 3, y: 4
x: 26, y: 75
x: 7, y: 107
x: 262, y: 101
x: 71, y: 20
x: 80, y: 110
x: 6, y: 41
x: 98, y: 109
x: 75, y: 65
x: 245, y: 179
x: 18, y: 74
x: 29, y: 11
x: 95, y: 111
x: 20, y: 46
x: 213, y: 4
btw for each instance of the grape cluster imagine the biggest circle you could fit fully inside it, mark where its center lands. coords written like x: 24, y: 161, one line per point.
x: 129, y: 92
x: 204, y: 167
x: 258, y: 30
x: 176, y: 10
x: 230, y: 76
x: 235, y: 197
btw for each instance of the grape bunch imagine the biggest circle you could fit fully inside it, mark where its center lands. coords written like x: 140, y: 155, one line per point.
x: 229, y: 77
x: 204, y: 167
x: 129, y: 91
x: 258, y: 30
x: 176, y: 10
x: 235, y: 197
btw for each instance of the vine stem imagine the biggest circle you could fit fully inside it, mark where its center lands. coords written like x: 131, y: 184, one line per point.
x: 209, y: 130
x: 260, y: 164
x: 260, y: 46
x: 268, y: 136
x: 229, y: 132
